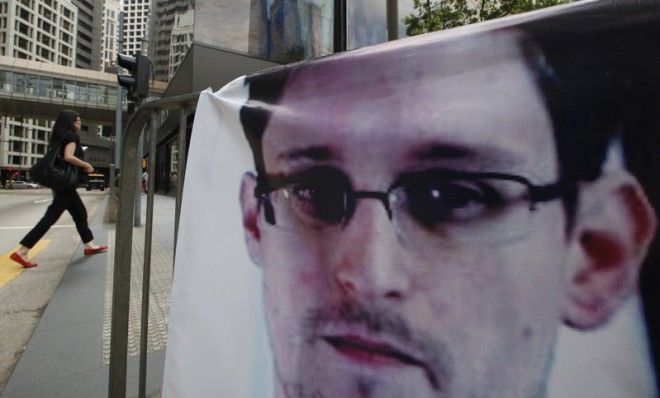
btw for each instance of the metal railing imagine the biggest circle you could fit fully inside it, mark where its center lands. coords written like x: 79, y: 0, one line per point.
x: 131, y: 156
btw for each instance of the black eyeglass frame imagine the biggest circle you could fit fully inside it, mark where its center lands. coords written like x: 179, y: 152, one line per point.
x: 267, y: 183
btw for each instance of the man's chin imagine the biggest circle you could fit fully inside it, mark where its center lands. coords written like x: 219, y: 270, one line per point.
x: 354, y: 386
x: 349, y: 374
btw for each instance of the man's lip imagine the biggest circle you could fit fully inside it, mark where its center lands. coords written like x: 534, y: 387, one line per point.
x: 370, y: 352
x: 378, y: 353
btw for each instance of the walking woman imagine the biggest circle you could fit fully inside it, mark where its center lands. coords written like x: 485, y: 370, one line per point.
x: 66, y: 129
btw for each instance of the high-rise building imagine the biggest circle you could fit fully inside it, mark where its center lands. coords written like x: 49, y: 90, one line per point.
x: 89, y: 30
x: 169, y: 15
x: 181, y: 39
x: 41, y: 30
x: 136, y: 25
x: 110, y: 37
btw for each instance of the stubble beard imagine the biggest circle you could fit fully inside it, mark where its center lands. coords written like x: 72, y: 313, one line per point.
x: 438, y: 369
x: 435, y: 363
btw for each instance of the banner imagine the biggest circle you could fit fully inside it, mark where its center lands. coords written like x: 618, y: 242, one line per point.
x: 468, y: 213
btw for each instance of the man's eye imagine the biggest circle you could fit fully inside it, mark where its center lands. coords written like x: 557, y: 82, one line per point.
x: 303, y: 193
x: 318, y: 203
x: 451, y: 202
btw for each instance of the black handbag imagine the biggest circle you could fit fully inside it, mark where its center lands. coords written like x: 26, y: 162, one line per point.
x: 54, y: 172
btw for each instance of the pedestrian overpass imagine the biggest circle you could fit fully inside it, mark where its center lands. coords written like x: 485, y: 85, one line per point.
x: 41, y: 90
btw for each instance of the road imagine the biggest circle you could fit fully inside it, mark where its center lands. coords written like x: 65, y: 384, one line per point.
x: 25, y: 293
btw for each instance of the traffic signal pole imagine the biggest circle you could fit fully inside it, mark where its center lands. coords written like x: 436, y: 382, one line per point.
x: 120, y: 103
x: 118, y: 124
x: 137, y: 84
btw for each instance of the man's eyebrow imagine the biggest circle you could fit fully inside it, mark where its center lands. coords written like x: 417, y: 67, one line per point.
x: 437, y: 151
x: 317, y: 153
x: 477, y: 155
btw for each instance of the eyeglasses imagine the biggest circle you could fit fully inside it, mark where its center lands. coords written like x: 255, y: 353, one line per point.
x: 426, y: 207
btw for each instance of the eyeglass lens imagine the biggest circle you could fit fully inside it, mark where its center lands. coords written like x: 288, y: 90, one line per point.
x: 428, y: 204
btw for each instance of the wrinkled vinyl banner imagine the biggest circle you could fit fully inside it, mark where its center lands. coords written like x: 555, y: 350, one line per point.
x: 467, y: 213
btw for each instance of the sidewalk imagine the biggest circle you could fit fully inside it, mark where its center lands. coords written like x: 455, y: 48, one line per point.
x: 68, y: 353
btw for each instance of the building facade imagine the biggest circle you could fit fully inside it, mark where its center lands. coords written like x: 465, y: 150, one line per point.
x: 110, y: 37
x: 42, y: 30
x: 136, y: 25
x: 181, y: 39
x: 89, y: 31
x: 170, y: 16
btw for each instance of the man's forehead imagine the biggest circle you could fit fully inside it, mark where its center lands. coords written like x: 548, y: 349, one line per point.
x: 476, y: 94
x: 409, y: 64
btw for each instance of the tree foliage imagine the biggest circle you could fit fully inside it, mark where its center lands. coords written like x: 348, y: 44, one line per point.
x: 432, y: 15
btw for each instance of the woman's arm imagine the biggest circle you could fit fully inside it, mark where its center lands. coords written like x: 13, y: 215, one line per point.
x: 70, y: 158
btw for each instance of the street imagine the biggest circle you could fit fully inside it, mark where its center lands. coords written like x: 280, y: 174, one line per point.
x: 55, y: 319
x: 25, y: 293
x: 21, y: 209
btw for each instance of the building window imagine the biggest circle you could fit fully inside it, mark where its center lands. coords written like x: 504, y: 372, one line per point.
x: 24, y: 29
x: 23, y: 43
x: 24, y: 14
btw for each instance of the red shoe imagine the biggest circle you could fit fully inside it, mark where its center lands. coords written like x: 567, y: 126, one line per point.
x: 89, y: 251
x: 25, y: 263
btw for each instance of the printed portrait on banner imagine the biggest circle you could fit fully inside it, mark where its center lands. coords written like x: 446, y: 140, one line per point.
x: 467, y: 213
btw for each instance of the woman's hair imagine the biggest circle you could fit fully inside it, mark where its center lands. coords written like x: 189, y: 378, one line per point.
x: 63, y: 124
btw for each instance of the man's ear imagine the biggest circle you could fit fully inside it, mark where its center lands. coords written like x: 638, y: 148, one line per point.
x: 613, y: 228
x: 250, y: 209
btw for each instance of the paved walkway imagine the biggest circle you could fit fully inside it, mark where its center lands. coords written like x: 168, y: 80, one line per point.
x: 68, y: 352
x: 24, y: 294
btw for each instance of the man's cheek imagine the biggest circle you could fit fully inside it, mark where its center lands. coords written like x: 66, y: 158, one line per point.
x: 307, y: 277
x: 293, y: 273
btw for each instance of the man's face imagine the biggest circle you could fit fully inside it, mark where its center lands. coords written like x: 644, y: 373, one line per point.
x: 374, y: 306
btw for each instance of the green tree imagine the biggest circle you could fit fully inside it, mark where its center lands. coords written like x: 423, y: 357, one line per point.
x: 432, y: 15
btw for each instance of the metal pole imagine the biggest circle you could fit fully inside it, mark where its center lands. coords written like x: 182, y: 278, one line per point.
x: 146, y: 270
x: 121, y: 279
x: 118, y: 122
x: 119, y: 102
x: 181, y: 172
x: 339, y: 26
x: 392, y: 19
x: 111, y: 177
x: 137, y: 216
x: 111, y: 181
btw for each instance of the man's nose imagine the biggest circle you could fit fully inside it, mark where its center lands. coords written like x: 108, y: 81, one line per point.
x: 371, y: 264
